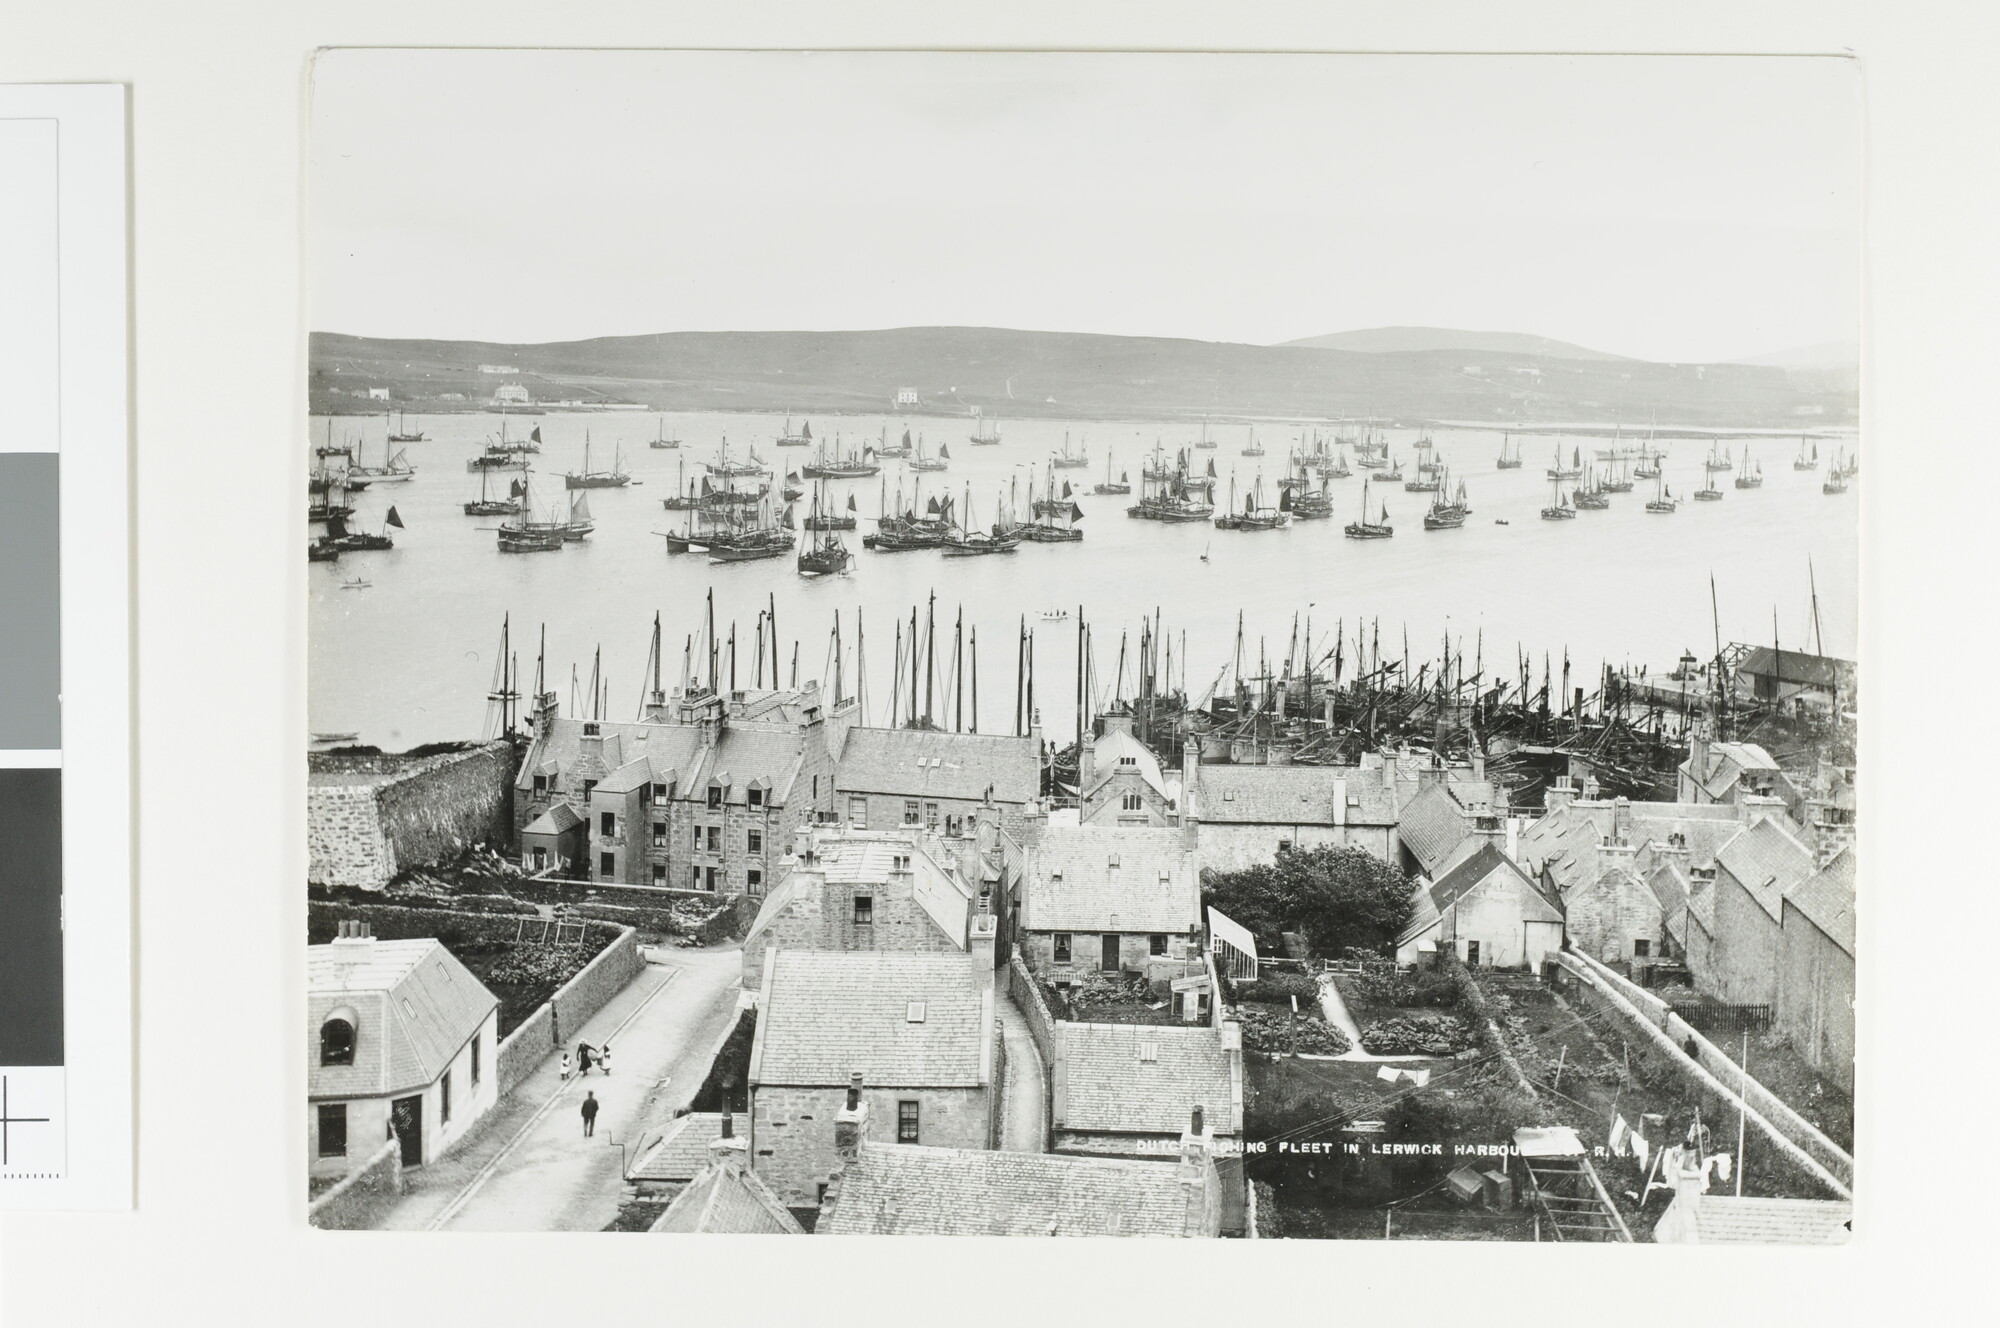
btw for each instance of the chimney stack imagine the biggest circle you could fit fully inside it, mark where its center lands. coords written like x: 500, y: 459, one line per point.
x: 1621, y: 821
x: 729, y: 1151
x: 850, y: 1124
x: 980, y: 944
x: 353, y: 930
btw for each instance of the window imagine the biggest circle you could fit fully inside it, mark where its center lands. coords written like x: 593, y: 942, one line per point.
x: 900, y: 862
x: 822, y: 1192
x: 444, y: 1098
x: 1159, y: 944
x: 756, y: 796
x: 541, y: 857
x: 694, y: 877
x: 607, y: 824
x: 754, y: 841
x: 931, y: 815
x: 659, y: 834
x: 645, y: 795
x: 475, y: 1060
x: 864, y: 910
x: 1641, y: 949
x: 906, y: 1122
x: 659, y: 793
x: 1472, y: 954
x: 336, y: 1039
x: 715, y: 839
x: 607, y: 864
x: 1062, y: 947
x: 541, y: 785
x: 857, y: 813
x: 912, y: 813
x: 754, y: 879
x: 1128, y: 760
x: 659, y: 873
x: 333, y: 1129
x: 1132, y: 803
x: 588, y: 785
x: 714, y: 797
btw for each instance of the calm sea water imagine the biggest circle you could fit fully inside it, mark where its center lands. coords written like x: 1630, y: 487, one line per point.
x: 409, y: 658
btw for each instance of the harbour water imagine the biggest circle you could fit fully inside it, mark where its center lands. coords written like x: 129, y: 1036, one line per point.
x: 409, y: 658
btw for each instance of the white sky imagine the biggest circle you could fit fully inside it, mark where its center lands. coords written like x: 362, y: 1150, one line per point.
x: 1692, y: 208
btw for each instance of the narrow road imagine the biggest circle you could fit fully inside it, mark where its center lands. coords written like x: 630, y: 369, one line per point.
x: 1024, y: 1111
x: 530, y: 1168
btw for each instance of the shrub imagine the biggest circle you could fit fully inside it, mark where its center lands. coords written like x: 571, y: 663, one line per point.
x: 1277, y: 1032
x: 1425, y: 987
x: 1420, y: 1034
x: 1336, y: 897
x: 1279, y: 988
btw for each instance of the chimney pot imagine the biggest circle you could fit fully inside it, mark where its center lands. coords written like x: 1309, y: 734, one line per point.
x: 1194, y: 1125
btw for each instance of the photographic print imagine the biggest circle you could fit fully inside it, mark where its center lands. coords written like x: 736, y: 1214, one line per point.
x: 1212, y: 646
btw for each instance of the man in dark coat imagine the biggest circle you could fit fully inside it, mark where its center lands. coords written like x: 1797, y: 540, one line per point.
x: 589, y: 1114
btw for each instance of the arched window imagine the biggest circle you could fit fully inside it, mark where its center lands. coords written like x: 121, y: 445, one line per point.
x: 336, y: 1038
x: 1132, y: 802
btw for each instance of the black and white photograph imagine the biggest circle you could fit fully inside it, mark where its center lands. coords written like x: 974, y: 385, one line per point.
x: 1092, y: 645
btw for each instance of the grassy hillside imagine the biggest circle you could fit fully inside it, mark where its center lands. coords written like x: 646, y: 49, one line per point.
x: 1055, y: 374
x: 1378, y: 339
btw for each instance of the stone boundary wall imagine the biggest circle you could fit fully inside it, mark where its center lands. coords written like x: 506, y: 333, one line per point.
x: 1475, y: 1000
x: 1027, y: 994
x: 526, y: 1047
x: 649, y: 907
x: 366, y: 824
x: 1761, y: 1099
x: 395, y: 922
x: 585, y: 994
x: 1656, y: 1048
x: 364, y: 1196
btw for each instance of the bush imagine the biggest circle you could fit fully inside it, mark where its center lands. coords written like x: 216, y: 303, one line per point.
x: 1278, y: 1032
x: 1338, y: 898
x: 1423, y: 988
x: 1279, y: 988
x: 1420, y: 1034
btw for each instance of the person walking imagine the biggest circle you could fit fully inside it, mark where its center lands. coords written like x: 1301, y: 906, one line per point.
x: 604, y: 1058
x: 589, y: 1114
x: 566, y: 1068
x: 583, y: 1060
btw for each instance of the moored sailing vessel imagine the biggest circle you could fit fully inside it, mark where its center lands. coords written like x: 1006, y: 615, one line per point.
x: 1366, y: 529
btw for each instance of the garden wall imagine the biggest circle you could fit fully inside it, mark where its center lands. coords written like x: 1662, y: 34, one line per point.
x: 586, y: 993
x: 525, y: 1048
x: 371, y: 817
x: 364, y: 1197
x: 1806, y: 1151
x: 1761, y: 1099
x: 1027, y: 994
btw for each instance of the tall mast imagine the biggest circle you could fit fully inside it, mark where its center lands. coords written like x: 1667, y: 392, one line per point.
x: 975, y: 678
x: 860, y: 669
x: 1020, y: 672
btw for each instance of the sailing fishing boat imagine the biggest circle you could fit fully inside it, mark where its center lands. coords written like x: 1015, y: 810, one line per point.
x: 1339, y: 469
x: 838, y: 467
x: 927, y: 463
x: 1559, y: 510
x: 1049, y: 504
x: 1447, y: 515
x: 1708, y: 493
x: 1393, y: 473
x: 886, y: 449
x: 1205, y: 442
x: 614, y: 478
x: 827, y: 556
x: 1573, y: 471
x: 1122, y: 485
x: 1750, y: 477
x: 803, y: 438
x: 1718, y: 457
x: 822, y: 519
x: 985, y: 434
x: 527, y: 535
x: 355, y: 541
x: 1253, y: 448
x: 578, y: 525
x: 401, y: 433
x: 1069, y: 460
x: 741, y: 542
x: 966, y: 542
x: 1663, y: 501
x: 506, y: 452
x: 1428, y: 462
x: 1169, y: 495
x: 1836, y: 479
x: 485, y: 505
x: 1366, y: 529
x: 395, y: 468
x: 663, y: 443
x: 1802, y: 461
x: 1507, y: 462
x: 1590, y: 496
x: 1256, y: 515
x: 1426, y: 480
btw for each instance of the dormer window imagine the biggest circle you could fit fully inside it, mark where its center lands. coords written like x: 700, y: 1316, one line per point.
x: 714, y: 797
x: 756, y: 796
x: 337, y: 1038
x: 659, y: 793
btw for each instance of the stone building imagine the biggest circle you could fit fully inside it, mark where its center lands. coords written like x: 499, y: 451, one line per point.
x: 402, y: 1042
x: 920, y: 1027
x: 1124, y: 1090
x: 1486, y: 910
x: 898, y: 890
x: 1120, y: 781
x: 1753, y: 873
x: 921, y: 1190
x: 705, y: 793
x: 1094, y: 899
x: 1815, y: 999
x: 727, y: 1198
x: 888, y: 778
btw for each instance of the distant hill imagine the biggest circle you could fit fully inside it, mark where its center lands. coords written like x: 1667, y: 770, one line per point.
x: 1376, y: 340
x: 1824, y: 355
x: 1051, y: 375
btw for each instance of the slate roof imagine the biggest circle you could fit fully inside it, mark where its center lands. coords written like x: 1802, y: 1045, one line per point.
x: 558, y: 818
x: 1794, y: 666
x: 1474, y: 868
x: 1767, y: 862
x: 827, y: 1015
x: 1108, y: 753
x: 1664, y: 879
x: 729, y: 1201
x: 1725, y: 764
x: 1727, y: 1219
x: 1292, y: 794
x: 919, y: 762
x: 914, y: 1190
x: 1565, y: 840
x: 1111, y: 1087
x: 1070, y: 884
x: 769, y: 748
x: 1826, y: 898
x: 1432, y: 825
x: 1701, y: 904
x: 414, y: 1004
x: 682, y: 1151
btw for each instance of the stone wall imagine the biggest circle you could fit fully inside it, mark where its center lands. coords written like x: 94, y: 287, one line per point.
x: 586, y: 993
x: 370, y: 818
x: 365, y: 1197
x: 525, y: 1048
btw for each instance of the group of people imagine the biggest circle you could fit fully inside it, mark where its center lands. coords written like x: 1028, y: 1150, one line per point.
x: 586, y: 1057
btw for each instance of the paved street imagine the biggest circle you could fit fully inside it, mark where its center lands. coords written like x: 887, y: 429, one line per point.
x: 1023, y: 1115
x: 530, y: 1168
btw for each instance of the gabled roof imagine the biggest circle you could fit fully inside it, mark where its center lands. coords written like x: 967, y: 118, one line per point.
x: 1432, y: 825
x: 1766, y: 861
x: 1475, y: 869
x: 1294, y: 795
x: 414, y: 1006
x: 1565, y: 840
x: 1145, y: 1078
x: 1794, y: 666
x: 1826, y: 898
x: 728, y: 1200
x: 829, y: 1015
x: 622, y: 755
x: 1725, y: 764
x: 1668, y: 885
x: 682, y: 1151
x: 1109, y: 754
x: 914, y: 1190
x: 918, y: 763
x: 626, y: 778
x: 1071, y: 885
